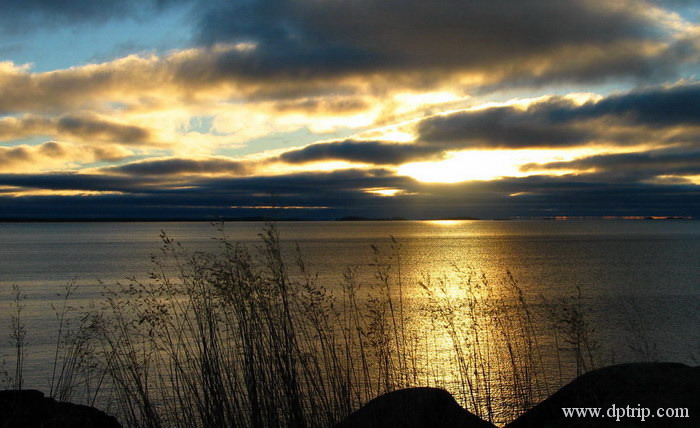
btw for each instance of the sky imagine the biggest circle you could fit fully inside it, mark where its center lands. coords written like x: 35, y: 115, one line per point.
x: 322, y: 109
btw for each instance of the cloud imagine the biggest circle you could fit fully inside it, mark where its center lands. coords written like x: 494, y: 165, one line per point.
x: 90, y: 86
x: 142, y: 195
x: 184, y: 82
x: 344, y: 57
x: 338, y: 105
x: 89, y: 126
x: 497, y: 42
x: 340, y: 193
x: 178, y: 166
x: 9, y: 156
x: 371, y: 152
x: 672, y: 106
x: 295, y: 186
x: 661, y: 115
x: 50, y: 155
x: 503, y: 127
x: 427, y: 32
x: 630, y: 167
x: 81, y: 127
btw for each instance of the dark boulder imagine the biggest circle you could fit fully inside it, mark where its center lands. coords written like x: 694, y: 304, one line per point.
x: 413, y: 408
x: 628, y: 387
x: 30, y: 409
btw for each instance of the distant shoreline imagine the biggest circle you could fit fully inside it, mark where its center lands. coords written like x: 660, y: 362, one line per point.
x: 341, y: 219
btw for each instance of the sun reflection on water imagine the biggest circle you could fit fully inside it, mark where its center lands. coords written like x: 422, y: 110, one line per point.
x: 473, y: 330
x: 445, y: 222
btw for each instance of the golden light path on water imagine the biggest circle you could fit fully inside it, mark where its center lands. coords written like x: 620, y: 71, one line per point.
x: 465, y: 324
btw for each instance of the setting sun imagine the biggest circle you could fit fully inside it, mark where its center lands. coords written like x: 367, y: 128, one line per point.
x: 475, y: 165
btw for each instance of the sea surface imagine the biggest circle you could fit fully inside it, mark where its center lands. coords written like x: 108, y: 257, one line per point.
x: 649, y: 267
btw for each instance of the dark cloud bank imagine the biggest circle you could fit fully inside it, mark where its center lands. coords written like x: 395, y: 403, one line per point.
x: 329, y: 37
x: 343, y: 193
x: 419, y: 44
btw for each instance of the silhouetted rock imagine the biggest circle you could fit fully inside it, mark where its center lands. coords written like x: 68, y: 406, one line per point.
x: 642, y: 385
x: 30, y: 409
x: 413, y: 408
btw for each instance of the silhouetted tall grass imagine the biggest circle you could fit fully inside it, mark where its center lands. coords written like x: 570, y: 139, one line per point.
x: 244, y: 337
x: 18, y: 334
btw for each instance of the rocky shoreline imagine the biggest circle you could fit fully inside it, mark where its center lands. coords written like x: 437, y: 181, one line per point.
x: 627, y: 386
x: 631, y: 387
x: 31, y: 409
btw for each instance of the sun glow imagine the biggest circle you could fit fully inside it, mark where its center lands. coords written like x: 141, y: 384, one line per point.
x: 383, y: 191
x: 478, y: 165
x: 446, y: 222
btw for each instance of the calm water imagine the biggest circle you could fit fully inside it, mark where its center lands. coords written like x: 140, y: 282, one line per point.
x: 653, y: 263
